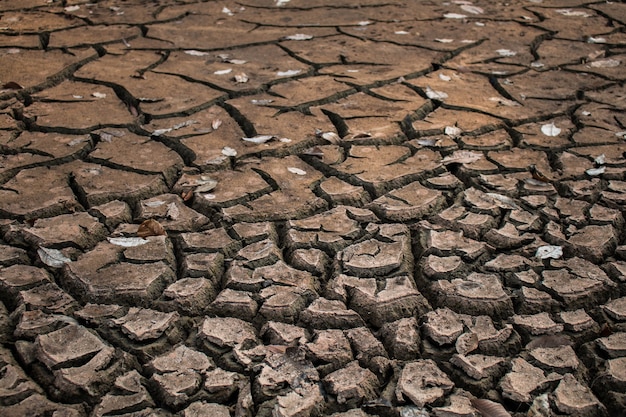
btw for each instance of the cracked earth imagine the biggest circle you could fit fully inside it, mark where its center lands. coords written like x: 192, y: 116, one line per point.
x: 312, y: 208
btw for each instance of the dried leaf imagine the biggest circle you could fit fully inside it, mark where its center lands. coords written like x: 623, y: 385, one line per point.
x: 186, y: 195
x: 127, y: 242
x: 97, y: 94
x: 299, y: 37
x: 462, y: 157
x: 600, y: 159
x: 444, y: 40
x: 258, y: 139
x: 452, y: 131
x: 599, y: 39
x: 264, y: 102
x: 506, y: 52
x: 444, y: 77
x: 241, y: 78
x: 505, y: 101
x: 215, y: 124
x: 205, y: 186
x: 570, y: 12
x: 550, y: 130
x: 466, y: 343
x: 52, y: 257
x: 284, y: 140
x: 296, y: 171
x: 173, y: 212
x: 193, y: 52
x: 227, y: 11
x: 228, y: 151
x: 288, y: 73
x: 489, y: 408
x: 436, y: 95
x: 12, y: 85
x: 315, y: 151
x: 472, y: 9
x: 594, y: 172
x: 72, y: 8
x: 150, y: 227
x: 153, y: 204
x: 223, y: 72
x: 537, y: 175
x: 428, y: 142
x: 549, y: 251
x: 606, y: 63
x: 454, y: 16
x: 365, y: 23
x: 503, y: 201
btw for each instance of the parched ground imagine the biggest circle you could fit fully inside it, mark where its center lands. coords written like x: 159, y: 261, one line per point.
x: 312, y: 208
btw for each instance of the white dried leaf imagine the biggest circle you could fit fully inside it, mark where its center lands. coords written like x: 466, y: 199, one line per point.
x: 76, y: 141
x: 258, y: 139
x: 296, y: 171
x: 281, y: 2
x: 506, y: 52
x: 127, y: 242
x: 585, y: 113
x: 549, y: 251
x: 228, y: 151
x: 241, y: 78
x: 537, y: 64
x: 436, y: 95
x: 223, y: 72
x: 600, y: 159
x: 606, y: 63
x: 288, y: 73
x: 77, y: 96
x: 299, y: 37
x: 428, y: 142
x: 184, y: 124
x: 227, y: 11
x: 52, y: 257
x: 207, y: 186
x: 444, y: 40
x: 594, y: 172
x: 599, y: 39
x: 365, y: 23
x: 550, y: 129
x: 72, y: 8
x: 154, y: 203
x: 503, y: 201
x: 331, y: 137
x: 452, y: 131
x: 105, y: 136
x: 401, y: 32
x: 236, y: 61
x: 621, y: 134
x: 462, y: 157
x: 263, y: 102
x: 284, y: 140
x: 570, y: 12
x: 193, y: 52
x: 173, y: 212
x: 444, y: 77
x: 215, y: 124
x: 472, y: 9
x: 97, y: 94
x: 504, y: 101
x: 160, y: 132
x: 454, y: 16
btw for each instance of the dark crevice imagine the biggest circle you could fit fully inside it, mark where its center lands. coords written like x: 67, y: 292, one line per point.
x: 406, y: 125
x: 246, y: 125
x: 493, y: 80
x: 340, y: 125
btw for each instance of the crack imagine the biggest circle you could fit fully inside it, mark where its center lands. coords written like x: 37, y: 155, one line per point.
x: 337, y: 121
x: 244, y: 123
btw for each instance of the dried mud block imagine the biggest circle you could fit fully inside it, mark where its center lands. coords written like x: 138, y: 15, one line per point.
x: 491, y: 340
x: 36, y: 198
x: 422, y: 383
x: 284, y: 275
x: 176, y: 388
x: 594, y: 243
x: 113, y: 213
x: 16, y: 385
x: 614, y: 345
x: 399, y: 298
x: 17, y: 278
x: 141, y: 324
x: 533, y: 301
x: 156, y: 249
x: 478, y: 294
x: 536, y: 325
x: 190, y: 296
x: 442, y: 326
x: 329, y: 350
x: 508, y: 237
x: 129, y: 393
x: 241, y: 278
x: 561, y: 359
x: 227, y: 332
x: 78, y: 229
x: 578, y: 321
x: 331, y: 230
x: 617, y: 269
x: 342, y: 193
x: 375, y: 258
x: 442, y: 267
x: 615, y: 311
x: 100, y: 184
x: 47, y: 297
x: 450, y: 243
x: 573, y: 398
x: 201, y: 409
x: 181, y: 357
x: 478, y: 366
x: 170, y: 210
x: 460, y: 406
x: 579, y: 284
x: 283, y: 303
x: 35, y: 322
x: 203, y: 265
x: 262, y: 253
x: 314, y: 261
x: 232, y: 303
x: 473, y: 225
x: 330, y: 314
x: 509, y: 263
x: 10, y: 255
x: 38, y: 405
x: 411, y: 202
x: 276, y: 333
x: 524, y: 380
x: 306, y: 401
x: 213, y: 240
x: 254, y: 232
x: 281, y: 373
x: 220, y: 385
x: 613, y: 377
x: 370, y: 352
x: 352, y: 385
x: 480, y: 202
x: 402, y: 338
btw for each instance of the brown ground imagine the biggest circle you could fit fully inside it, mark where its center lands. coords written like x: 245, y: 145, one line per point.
x: 348, y: 208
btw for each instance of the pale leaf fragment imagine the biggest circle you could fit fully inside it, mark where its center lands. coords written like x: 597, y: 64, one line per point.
x: 549, y: 251
x: 237, y: 61
x: 241, y: 78
x: 505, y: 52
x: 570, y: 12
x: 206, y: 185
x: 296, y: 171
x: 223, y: 72
x: 263, y: 102
x: 600, y: 159
x: 52, y: 257
x: 444, y: 77
x: 598, y: 39
x: 98, y: 94
x: 194, y: 52
x: 228, y: 151
x: 127, y: 242
x: 594, y: 172
x: 452, y: 131
x: 173, y: 212
x: 462, y: 157
x: 503, y: 201
x: 71, y: 8
x: 606, y: 63
x: 299, y: 37
x: 364, y: 23
x: 454, y: 16
x: 435, y: 95
x: 331, y: 137
x: 288, y: 73
x: 550, y: 129
x: 154, y: 203
x: 258, y: 139
x: 444, y: 40
x: 621, y: 134
x: 504, y: 101
x: 428, y: 142
x: 215, y: 124
x: 469, y: 8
